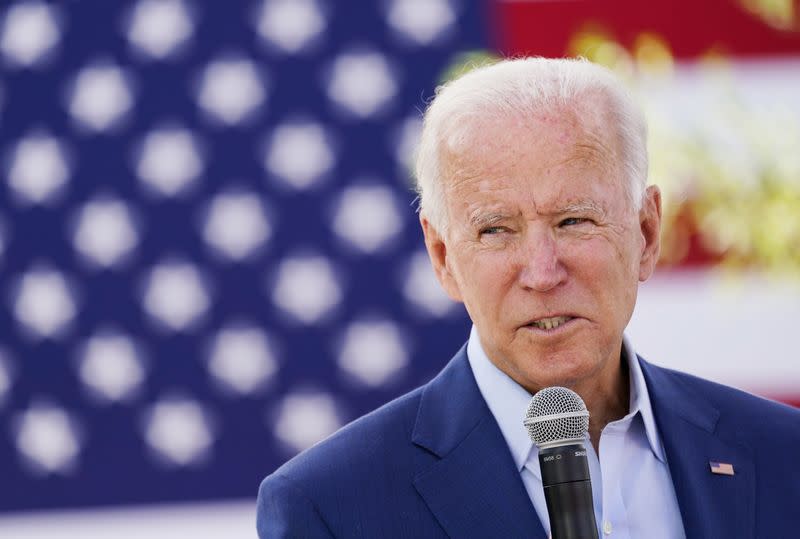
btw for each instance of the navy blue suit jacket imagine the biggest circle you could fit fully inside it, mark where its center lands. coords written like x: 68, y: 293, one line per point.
x: 433, y: 463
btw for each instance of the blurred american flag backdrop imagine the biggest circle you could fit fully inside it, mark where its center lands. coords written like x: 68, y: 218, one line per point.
x: 210, y: 258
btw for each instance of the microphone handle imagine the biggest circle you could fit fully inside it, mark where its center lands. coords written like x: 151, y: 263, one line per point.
x: 568, y: 492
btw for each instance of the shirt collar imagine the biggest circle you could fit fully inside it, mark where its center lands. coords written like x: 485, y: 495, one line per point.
x: 640, y: 400
x: 508, y: 401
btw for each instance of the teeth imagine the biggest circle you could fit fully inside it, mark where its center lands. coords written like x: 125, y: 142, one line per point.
x: 551, y: 323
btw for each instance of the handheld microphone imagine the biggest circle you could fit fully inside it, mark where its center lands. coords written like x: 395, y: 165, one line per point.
x: 557, y: 421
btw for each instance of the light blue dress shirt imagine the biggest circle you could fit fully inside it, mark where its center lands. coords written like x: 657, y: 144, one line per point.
x: 631, y: 484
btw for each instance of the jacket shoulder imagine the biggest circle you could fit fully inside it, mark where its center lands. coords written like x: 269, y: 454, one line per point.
x: 376, y: 435
x: 340, y: 484
x: 285, y: 511
x: 751, y: 417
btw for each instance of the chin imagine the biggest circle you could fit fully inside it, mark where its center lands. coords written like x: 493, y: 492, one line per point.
x: 558, y: 370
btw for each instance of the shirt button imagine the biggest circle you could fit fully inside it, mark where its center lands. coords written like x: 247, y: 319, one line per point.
x: 607, y: 527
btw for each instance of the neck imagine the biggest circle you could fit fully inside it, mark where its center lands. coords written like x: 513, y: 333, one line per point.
x: 607, y: 401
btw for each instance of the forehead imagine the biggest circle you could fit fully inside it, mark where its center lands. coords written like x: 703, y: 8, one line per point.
x: 556, y: 156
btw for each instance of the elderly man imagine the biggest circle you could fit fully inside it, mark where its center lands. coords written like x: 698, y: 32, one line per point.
x: 536, y: 215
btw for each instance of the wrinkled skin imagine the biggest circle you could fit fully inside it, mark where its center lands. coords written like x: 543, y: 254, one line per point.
x: 540, y: 226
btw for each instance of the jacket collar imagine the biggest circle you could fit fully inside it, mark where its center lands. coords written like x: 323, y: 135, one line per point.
x: 711, y: 505
x: 474, y: 489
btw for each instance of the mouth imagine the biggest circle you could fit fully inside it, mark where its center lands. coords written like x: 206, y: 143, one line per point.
x: 550, y: 323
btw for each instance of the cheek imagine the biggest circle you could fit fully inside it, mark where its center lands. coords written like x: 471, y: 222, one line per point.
x: 484, y: 277
x: 614, y: 275
x: 605, y: 254
x: 587, y: 252
x: 604, y: 267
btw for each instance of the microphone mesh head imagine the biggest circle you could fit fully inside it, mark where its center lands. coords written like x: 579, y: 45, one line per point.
x: 556, y: 414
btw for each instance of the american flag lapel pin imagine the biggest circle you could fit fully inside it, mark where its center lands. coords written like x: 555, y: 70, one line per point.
x: 721, y: 468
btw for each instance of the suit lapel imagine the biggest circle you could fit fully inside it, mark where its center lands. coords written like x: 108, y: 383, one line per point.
x: 711, y: 505
x: 474, y: 489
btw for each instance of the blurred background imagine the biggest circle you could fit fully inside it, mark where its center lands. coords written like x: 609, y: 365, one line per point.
x: 209, y: 252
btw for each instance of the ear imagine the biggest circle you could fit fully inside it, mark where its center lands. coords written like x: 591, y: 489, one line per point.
x: 650, y: 226
x: 437, y: 251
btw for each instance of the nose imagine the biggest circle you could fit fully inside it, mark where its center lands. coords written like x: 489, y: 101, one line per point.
x: 541, y: 269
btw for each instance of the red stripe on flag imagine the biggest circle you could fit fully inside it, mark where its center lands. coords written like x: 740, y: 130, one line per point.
x: 691, y: 28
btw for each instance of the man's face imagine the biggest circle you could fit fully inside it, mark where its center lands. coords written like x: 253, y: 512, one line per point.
x: 543, y: 246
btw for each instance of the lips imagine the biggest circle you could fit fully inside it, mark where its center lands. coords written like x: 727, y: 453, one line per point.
x: 551, y: 322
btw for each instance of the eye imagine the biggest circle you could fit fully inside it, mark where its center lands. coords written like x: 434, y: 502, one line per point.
x: 572, y: 221
x: 492, y: 230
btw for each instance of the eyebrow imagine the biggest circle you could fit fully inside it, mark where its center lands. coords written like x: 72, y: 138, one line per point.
x: 581, y: 206
x: 479, y: 219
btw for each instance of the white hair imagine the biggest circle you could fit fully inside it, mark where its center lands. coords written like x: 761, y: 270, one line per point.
x: 521, y: 87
